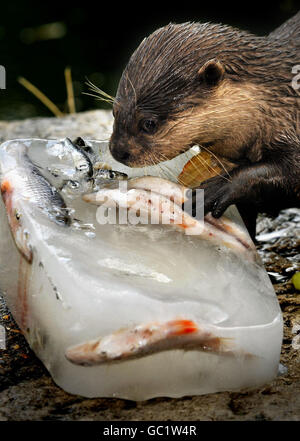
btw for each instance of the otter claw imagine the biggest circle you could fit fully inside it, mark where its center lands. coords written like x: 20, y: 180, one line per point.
x: 218, y: 196
x: 219, y: 209
x: 217, y: 200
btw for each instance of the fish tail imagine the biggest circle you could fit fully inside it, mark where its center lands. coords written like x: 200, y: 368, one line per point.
x: 207, y: 340
x: 221, y: 344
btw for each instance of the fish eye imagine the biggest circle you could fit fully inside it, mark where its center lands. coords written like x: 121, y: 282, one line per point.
x: 17, y: 215
x: 148, y: 125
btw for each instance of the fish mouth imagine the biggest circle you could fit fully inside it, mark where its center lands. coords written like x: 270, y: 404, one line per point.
x: 19, y: 234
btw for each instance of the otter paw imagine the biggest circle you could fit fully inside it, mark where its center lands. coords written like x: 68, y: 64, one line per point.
x: 219, y: 194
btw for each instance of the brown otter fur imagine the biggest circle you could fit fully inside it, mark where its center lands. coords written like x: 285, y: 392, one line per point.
x: 225, y: 89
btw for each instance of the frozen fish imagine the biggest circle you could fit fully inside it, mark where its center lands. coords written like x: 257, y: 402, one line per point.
x: 149, y: 338
x: 175, y: 192
x: 152, y: 312
x: 22, y: 183
x: 163, y: 209
x: 104, y: 173
x: 82, y: 167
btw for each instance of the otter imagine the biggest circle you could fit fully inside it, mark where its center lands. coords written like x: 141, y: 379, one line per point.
x: 226, y: 90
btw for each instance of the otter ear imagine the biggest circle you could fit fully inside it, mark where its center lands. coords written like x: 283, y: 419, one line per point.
x: 211, y: 72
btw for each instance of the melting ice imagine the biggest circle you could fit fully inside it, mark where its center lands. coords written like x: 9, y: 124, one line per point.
x: 88, y: 281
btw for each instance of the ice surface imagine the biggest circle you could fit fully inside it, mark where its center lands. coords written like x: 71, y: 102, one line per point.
x: 89, y: 280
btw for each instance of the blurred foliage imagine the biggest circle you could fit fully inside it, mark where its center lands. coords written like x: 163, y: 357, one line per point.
x: 38, y: 40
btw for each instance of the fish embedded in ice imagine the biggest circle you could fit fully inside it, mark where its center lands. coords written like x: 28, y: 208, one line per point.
x: 110, y: 174
x: 22, y: 186
x: 67, y: 149
x: 162, y: 205
x: 129, y: 309
x: 175, y: 192
x: 146, y: 339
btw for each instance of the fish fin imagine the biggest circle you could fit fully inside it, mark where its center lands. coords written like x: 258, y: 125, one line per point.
x: 182, y: 327
x: 6, y: 187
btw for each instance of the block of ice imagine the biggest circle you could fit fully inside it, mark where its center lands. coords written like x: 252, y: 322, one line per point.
x: 85, y: 281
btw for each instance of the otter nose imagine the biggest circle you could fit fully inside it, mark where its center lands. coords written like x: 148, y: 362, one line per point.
x: 119, y: 152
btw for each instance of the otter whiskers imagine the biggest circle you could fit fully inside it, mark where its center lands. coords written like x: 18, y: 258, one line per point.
x: 219, y: 161
x: 161, y: 157
x: 98, y: 93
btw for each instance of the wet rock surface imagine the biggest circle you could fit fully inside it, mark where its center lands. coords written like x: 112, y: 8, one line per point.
x: 27, y: 391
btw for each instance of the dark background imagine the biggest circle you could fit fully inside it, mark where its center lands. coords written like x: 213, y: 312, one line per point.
x: 96, y: 40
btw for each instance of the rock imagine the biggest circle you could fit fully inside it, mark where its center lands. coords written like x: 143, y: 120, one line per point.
x: 96, y: 124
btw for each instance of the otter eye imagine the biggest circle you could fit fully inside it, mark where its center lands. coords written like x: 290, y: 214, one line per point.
x: 148, y: 125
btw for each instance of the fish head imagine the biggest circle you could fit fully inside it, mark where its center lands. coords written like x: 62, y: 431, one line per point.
x: 15, y: 220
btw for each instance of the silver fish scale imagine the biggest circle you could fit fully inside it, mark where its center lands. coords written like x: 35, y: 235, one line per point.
x: 45, y: 195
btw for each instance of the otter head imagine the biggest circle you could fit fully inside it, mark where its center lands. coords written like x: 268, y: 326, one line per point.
x: 184, y: 86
